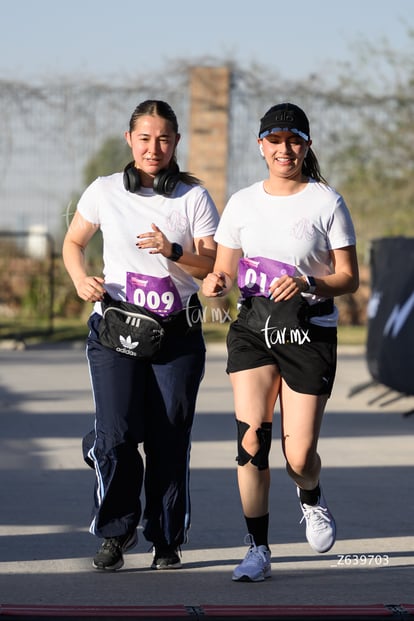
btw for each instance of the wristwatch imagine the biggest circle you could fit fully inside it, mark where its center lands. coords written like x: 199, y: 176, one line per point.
x: 176, y: 252
x: 311, y: 288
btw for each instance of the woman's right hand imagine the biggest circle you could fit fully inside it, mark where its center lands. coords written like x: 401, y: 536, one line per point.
x: 90, y: 288
x: 214, y: 285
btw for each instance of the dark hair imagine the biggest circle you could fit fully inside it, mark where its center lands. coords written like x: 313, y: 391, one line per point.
x: 311, y: 168
x: 156, y: 107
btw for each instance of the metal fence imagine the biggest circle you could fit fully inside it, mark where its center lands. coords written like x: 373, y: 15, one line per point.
x: 50, y: 131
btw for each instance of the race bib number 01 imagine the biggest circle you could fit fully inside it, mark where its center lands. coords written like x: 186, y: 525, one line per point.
x: 256, y: 274
x: 159, y: 295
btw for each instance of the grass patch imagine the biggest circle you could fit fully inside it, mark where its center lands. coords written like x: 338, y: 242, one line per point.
x: 352, y: 335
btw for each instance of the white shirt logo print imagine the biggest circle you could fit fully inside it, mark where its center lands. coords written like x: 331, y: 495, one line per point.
x: 177, y: 222
x: 303, y: 229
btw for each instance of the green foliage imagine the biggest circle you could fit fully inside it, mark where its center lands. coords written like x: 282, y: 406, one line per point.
x: 36, y: 297
x: 113, y: 156
x: 375, y: 154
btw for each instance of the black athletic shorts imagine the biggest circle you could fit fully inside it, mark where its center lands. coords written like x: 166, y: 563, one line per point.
x: 267, y: 333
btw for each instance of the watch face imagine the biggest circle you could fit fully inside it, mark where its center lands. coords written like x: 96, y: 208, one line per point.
x: 311, y: 284
x: 177, y: 252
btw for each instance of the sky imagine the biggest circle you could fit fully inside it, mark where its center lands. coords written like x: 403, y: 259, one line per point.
x: 42, y: 39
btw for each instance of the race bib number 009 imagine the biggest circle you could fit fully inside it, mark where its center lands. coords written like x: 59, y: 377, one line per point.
x: 159, y: 295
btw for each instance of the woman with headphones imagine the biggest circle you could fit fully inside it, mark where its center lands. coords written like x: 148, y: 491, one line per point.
x: 145, y: 347
x: 290, y: 242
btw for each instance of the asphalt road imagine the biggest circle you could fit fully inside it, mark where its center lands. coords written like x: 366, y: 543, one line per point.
x: 45, y: 496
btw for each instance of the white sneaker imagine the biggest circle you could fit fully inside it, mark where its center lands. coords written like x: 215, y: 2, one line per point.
x: 255, y: 566
x: 320, y: 525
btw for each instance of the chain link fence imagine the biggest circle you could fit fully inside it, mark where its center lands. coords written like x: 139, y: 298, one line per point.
x: 51, y: 130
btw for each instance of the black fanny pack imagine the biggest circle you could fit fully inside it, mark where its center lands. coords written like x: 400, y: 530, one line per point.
x: 130, y: 329
x: 259, y: 312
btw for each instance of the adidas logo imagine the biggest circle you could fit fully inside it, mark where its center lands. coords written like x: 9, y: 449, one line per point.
x: 128, y: 345
x: 128, y: 342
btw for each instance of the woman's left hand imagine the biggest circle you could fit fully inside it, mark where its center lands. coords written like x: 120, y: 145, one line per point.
x: 285, y: 288
x: 155, y: 241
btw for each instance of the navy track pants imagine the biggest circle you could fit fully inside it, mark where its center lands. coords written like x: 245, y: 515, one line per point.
x: 150, y: 403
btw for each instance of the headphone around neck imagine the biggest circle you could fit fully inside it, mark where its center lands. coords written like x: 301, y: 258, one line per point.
x: 164, y: 183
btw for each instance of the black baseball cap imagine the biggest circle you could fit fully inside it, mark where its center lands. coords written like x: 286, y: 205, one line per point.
x: 285, y: 117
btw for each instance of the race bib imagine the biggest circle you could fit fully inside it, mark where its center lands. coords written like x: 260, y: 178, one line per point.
x: 256, y: 273
x: 159, y: 295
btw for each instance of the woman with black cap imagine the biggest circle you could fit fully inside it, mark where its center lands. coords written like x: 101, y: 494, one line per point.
x: 290, y: 241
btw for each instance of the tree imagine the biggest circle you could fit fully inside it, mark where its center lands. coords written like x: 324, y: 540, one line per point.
x: 113, y: 156
x: 375, y: 158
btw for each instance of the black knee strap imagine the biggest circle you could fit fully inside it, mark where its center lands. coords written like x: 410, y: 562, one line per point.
x: 243, y: 457
x: 264, y: 435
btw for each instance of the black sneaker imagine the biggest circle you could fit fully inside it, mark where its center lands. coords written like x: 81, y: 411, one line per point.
x: 166, y: 557
x: 109, y: 555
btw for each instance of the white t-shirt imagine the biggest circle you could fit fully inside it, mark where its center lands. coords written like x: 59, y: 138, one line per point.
x: 121, y: 215
x: 299, y: 229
